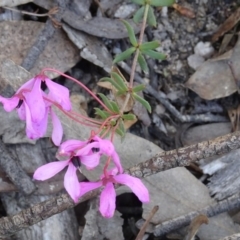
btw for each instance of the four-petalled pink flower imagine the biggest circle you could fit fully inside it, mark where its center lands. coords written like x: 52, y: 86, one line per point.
x: 108, y: 195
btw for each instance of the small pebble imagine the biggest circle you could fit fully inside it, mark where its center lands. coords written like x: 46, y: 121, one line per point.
x: 204, y: 50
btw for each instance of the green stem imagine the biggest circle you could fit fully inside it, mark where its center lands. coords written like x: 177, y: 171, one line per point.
x: 134, y: 64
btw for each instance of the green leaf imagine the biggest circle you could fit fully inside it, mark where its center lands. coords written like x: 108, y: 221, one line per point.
x: 106, y: 101
x: 154, y: 54
x: 151, y: 19
x: 138, y: 16
x: 129, y: 116
x: 161, y: 3
x: 103, y: 114
x: 140, y: 2
x: 121, y: 130
x: 142, y: 62
x: 124, y: 55
x: 119, y: 81
x: 114, y: 83
x: 131, y: 33
x: 121, y: 92
x: 142, y: 101
x: 115, y: 107
x: 139, y: 88
x: 149, y: 45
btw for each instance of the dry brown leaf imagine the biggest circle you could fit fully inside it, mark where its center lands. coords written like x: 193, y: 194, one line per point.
x: 91, y: 48
x: 17, y: 37
x: 213, y: 79
x: 234, y: 116
x: 99, y: 26
x: 13, y: 3
x: 227, y: 25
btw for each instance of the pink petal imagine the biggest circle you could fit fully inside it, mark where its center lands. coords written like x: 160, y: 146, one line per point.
x: 106, y: 147
x: 90, y: 161
x: 87, y: 149
x: 35, y: 102
x: 31, y: 133
x: 135, y: 184
x: 66, y: 148
x: 71, y: 183
x: 9, y: 103
x: 88, y: 186
x: 59, y: 94
x: 117, y: 162
x: 21, y: 112
x: 49, y: 170
x: 41, y: 127
x: 27, y: 85
x: 108, y: 201
x: 57, y: 131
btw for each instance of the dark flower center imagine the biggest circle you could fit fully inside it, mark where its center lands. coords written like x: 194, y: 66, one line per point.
x: 76, y: 162
x: 19, y: 103
x: 94, y: 149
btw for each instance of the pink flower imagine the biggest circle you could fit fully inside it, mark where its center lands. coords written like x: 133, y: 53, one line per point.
x: 33, y: 106
x: 90, y: 155
x: 108, y: 195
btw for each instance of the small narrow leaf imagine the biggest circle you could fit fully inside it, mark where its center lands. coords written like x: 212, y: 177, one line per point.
x: 119, y: 81
x: 131, y: 33
x: 142, y: 101
x: 138, y: 16
x: 124, y: 55
x: 151, y: 19
x: 139, y: 88
x: 115, y: 107
x: 129, y: 116
x: 106, y: 101
x: 121, y: 92
x: 140, y: 2
x: 121, y: 130
x: 103, y: 114
x: 161, y: 3
x: 149, y: 45
x: 114, y: 83
x: 154, y: 54
x: 142, y: 62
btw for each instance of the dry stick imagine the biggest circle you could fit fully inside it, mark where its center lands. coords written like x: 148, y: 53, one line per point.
x: 210, y: 211
x: 198, y: 118
x: 144, y: 227
x: 44, y: 36
x: 184, y: 156
x: 161, y: 162
x: 10, y: 166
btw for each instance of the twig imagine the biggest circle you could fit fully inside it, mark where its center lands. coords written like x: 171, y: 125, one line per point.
x: 144, y: 227
x: 44, y: 36
x: 199, y: 118
x: 10, y: 166
x: 220, y: 145
x: 52, y: 11
x: 210, y: 211
x: 184, y: 156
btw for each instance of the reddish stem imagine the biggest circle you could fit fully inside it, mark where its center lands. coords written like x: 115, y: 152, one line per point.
x: 80, y: 84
